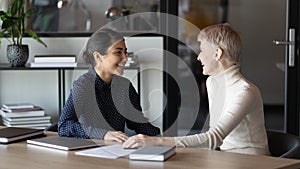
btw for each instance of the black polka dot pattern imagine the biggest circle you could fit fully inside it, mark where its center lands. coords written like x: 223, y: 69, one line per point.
x: 94, y: 107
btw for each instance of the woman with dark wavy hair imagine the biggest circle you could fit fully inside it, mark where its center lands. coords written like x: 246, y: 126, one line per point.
x: 102, y: 103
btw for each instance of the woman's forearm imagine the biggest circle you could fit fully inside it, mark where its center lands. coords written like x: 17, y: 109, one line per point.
x: 166, y: 141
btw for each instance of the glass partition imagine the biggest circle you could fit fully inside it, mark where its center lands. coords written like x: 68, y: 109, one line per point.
x: 87, y: 16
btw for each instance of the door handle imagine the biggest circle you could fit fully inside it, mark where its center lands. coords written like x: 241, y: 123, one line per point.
x: 277, y: 42
x: 291, y: 46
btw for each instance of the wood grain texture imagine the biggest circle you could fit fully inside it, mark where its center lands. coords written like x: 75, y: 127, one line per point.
x: 25, y: 156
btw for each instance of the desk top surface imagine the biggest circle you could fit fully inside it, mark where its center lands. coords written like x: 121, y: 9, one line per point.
x: 25, y: 156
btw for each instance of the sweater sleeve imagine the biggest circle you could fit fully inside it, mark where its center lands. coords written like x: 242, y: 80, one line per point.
x: 232, y: 116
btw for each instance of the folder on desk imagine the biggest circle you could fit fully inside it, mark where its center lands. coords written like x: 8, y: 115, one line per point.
x: 64, y: 143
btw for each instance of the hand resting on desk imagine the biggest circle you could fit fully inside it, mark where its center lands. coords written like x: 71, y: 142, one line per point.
x: 116, y: 136
x: 144, y: 140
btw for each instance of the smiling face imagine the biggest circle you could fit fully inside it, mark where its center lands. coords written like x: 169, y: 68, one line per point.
x: 113, y: 61
x: 208, y: 58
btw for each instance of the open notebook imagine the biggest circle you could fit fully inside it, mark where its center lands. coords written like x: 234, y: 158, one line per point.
x: 64, y: 143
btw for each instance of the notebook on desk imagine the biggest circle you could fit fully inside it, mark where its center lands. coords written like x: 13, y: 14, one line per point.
x: 63, y: 143
x: 13, y: 134
x: 153, y: 153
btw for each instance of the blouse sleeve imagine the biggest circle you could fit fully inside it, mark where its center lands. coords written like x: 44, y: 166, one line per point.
x: 138, y: 122
x: 77, y: 118
x: 68, y: 124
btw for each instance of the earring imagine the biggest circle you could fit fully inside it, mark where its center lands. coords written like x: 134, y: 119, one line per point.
x: 217, y: 57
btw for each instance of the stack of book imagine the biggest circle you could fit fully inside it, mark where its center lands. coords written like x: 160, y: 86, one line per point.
x: 54, y: 61
x: 24, y: 115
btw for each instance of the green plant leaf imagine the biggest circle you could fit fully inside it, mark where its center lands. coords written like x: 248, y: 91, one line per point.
x: 14, y: 8
x: 2, y: 13
x: 7, y: 24
x: 35, y: 36
x: 13, y: 23
x: 29, y: 12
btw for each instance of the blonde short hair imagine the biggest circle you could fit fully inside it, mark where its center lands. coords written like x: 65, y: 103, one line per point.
x: 225, y: 37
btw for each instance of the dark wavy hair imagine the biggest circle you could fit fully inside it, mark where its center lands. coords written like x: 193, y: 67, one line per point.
x: 100, y: 41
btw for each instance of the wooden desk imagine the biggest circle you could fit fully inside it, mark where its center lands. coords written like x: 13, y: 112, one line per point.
x: 25, y: 156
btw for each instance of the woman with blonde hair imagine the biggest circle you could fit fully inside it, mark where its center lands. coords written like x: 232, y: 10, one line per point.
x: 235, y: 104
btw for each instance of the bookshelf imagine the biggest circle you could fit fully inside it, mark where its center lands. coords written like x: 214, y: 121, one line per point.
x: 64, y: 79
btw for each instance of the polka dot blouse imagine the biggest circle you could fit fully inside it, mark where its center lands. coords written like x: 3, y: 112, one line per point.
x: 94, y: 107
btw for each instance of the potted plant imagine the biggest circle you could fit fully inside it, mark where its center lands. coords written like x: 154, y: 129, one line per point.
x: 13, y: 29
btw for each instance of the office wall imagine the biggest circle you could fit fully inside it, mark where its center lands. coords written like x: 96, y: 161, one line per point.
x: 41, y: 86
x: 261, y: 60
x: 259, y: 22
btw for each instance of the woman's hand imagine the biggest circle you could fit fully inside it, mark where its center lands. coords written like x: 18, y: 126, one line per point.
x: 139, y: 141
x: 144, y: 140
x: 116, y: 136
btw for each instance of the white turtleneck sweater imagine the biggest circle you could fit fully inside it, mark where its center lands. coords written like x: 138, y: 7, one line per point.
x: 236, y: 116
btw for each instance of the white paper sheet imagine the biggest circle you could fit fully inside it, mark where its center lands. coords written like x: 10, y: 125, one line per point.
x: 112, y: 151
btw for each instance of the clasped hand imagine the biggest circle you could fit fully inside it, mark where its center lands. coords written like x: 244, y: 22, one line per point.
x: 136, y: 141
x: 116, y: 136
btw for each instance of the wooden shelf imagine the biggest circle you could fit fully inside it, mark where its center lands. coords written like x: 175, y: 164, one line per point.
x: 61, y: 76
x: 7, y: 66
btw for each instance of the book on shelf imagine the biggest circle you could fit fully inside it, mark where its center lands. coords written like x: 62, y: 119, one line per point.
x: 54, y: 58
x: 20, y: 109
x: 5, y: 122
x: 37, y: 127
x: 41, y: 125
x: 17, y: 105
x: 26, y: 119
x: 50, y: 65
x: 153, y: 153
x: 22, y: 114
x: 12, y: 134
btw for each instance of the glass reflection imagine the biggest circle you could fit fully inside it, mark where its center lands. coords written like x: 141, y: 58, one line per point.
x: 69, y: 16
